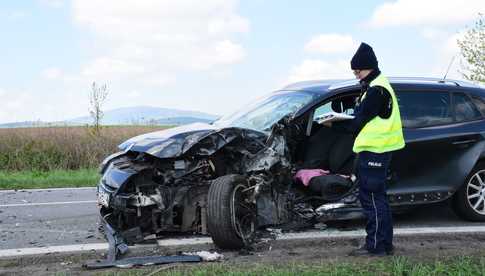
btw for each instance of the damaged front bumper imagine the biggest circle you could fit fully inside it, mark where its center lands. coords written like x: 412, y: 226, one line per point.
x: 117, y: 244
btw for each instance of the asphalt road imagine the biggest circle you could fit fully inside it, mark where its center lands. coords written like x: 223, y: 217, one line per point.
x: 39, y: 218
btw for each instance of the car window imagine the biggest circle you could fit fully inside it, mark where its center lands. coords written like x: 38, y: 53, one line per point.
x: 323, y: 109
x: 464, y: 108
x: 479, y: 103
x: 341, y: 105
x: 422, y: 109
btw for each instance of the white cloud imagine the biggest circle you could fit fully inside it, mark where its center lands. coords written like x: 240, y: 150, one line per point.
x: 52, y: 3
x: 53, y: 105
x: 16, y: 15
x: 331, y: 43
x: 447, y: 49
x: 133, y: 94
x: 16, y: 106
x: 52, y: 73
x: 104, y: 67
x: 225, y: 25
x: 433, y: 33
x: 227, y: 52
x: 149, y: 40
x: 222, y: 52
x: 17, y: 103
x: 426, y: 13
x: 433, y: 19
x: 314, y: 69
x: 451, y: 44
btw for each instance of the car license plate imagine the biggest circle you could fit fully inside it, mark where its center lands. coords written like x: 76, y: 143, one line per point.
x: 103, y: 198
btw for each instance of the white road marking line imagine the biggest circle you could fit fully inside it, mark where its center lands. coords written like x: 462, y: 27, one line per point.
x: 53, y: 249
x: 189, y: 241
x: 43, y: 230
x: 196, y: 241
x: 47, y: 189
x: 48, y: 203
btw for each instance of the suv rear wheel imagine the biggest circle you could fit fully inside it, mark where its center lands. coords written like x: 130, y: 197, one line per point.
x: 469, y: 200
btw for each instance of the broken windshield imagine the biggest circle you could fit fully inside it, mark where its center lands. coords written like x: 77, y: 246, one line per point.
x: 266, y: 111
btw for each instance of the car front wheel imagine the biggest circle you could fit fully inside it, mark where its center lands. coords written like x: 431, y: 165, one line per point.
x: 469, y: 200
x: 231, y: 215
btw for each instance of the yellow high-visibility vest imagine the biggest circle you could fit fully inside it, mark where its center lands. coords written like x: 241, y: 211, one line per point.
x: 381, y: 135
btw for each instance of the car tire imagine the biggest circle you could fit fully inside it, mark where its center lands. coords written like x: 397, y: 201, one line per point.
x: 222, y: 198
x: 469, y: 200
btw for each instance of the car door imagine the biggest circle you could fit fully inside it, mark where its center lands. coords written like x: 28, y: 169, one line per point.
x: 442, y: 145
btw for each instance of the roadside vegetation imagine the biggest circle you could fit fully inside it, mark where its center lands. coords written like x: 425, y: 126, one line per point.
x: 472, y: 48
x: 387, y: 266
x: 47, y: 157
x: 49, y: 179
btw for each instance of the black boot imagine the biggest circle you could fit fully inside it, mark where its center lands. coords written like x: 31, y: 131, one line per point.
x: 390, y: 251
x: 362, y: 251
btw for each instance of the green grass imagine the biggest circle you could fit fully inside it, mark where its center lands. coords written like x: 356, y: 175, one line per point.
x: 388, y: 266
x: 49, y: 179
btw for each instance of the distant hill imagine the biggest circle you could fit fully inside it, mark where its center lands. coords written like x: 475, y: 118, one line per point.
x: 24, y: 124
x: 181, y: 121
x: 136, y: 115
x: 147, y: 114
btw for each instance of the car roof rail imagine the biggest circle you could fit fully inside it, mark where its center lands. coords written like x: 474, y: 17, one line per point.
x: 435, y: 80
x: 424, y: 80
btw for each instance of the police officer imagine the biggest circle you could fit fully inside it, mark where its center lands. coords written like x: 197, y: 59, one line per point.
x: 377, y: 125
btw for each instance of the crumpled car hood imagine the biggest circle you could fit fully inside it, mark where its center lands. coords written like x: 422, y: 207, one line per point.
x: 174, y: 142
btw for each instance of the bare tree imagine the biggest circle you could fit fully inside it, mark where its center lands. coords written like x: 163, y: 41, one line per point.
x: 97, y: 97
x: 473, y: 51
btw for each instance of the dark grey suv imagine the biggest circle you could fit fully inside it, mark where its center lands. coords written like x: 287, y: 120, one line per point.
x: 231, y: 178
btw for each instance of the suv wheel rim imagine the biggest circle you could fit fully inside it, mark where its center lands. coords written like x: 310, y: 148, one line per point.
x: 475, y: 192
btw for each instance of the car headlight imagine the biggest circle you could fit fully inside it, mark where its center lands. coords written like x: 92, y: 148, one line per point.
x: 103, y: 165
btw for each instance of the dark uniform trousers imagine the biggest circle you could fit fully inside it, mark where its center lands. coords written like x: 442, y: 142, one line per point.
x: 372, y: 172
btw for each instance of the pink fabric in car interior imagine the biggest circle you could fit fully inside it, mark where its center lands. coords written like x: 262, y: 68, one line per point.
x: 305, y: 175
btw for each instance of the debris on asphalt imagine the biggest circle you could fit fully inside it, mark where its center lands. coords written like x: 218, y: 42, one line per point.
x: 66, y: 263
x: 142, y: 261
x: 275, y: 231
x: 206, y: 255
x: 320, y: 226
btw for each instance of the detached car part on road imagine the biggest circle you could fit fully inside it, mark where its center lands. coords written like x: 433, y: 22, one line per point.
x: 231, y: 178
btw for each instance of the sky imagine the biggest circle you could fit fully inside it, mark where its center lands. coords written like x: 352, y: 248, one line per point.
x: 213, y: 55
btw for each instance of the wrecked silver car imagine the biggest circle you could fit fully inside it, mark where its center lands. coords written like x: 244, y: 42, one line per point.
x: 234, y: 177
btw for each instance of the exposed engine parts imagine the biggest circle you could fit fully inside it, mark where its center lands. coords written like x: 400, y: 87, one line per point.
x: 169, y: 187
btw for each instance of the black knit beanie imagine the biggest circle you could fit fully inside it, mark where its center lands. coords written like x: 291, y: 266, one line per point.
x: 364, y: 58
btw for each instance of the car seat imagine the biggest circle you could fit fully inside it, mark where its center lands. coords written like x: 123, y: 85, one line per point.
x: 331, y: 151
